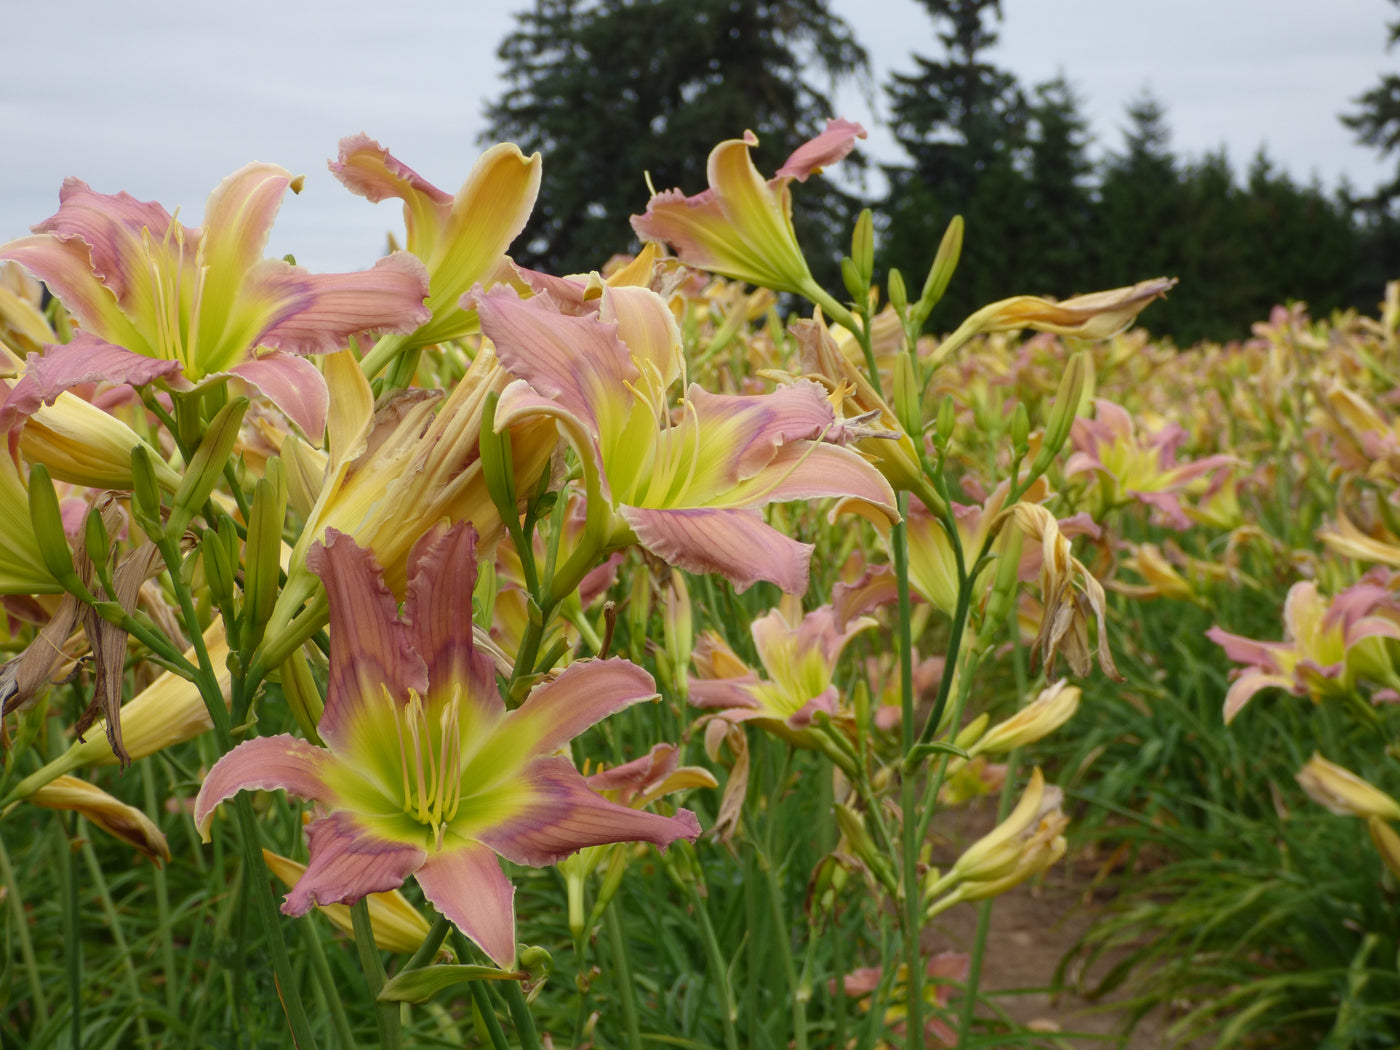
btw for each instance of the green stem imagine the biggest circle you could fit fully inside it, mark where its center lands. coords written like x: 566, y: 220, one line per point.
x: 481, y: 996
x: 133, y: 985
x: 266, y: 913
x: 911, y: 917
x: 520, y: 1014
x: 799, y: 1002
x: 427, y: 951
x: 372, y: 963
x: 26, y: 946
x: 623, y: 972
x: 322, y: 971
x: 715, y: 959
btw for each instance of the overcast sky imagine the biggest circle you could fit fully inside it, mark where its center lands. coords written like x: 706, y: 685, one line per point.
x: 163, y: 98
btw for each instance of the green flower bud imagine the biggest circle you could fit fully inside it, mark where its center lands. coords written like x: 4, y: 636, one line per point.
x: 206, y: 466
x: 1020, y: 428
x: 145, y: 493
x: 899, y: 296
x: 947, y: 420
x: 941, y: 272
x: 96, y: 540
x: 1062, y: 415
x: 303, y: 696
x: 47, y: 521
x: 218, y: 572
x: 263, y: 551
x: 908, y: 396
x: 863, y: 249
x: 850, y: 277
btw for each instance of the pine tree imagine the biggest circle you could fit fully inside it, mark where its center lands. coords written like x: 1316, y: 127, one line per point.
x: 611, y: 91
x: 1059, y: 201
x: 962, y: 121
x: 1377, y: 123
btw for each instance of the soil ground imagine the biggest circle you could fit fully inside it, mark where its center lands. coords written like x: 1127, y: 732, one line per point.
x: 1032, y: 929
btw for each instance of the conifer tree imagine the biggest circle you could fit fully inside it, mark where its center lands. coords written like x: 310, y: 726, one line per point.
x: 613, y: 90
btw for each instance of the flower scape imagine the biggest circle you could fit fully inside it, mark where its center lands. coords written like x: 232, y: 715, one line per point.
x: 592, y: 656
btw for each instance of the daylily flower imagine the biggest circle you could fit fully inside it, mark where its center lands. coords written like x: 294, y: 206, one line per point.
x: 1322, y: 642
x: 110, y: 814
x: 159, y: 300
x: 461, y: 240
x: 1054, y: 707
x: 799, y: 656
x: 687, y: 490
x: 941, y: 971
x: 741, y: 226
x: 425, y: 772
x: 1144, y: 468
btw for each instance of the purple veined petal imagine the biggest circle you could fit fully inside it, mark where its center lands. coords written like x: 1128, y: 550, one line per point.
x: 264, y: 763
x: 372, y: 654
x: 367, y: 168
x: 1246, y: 685
x: 1247, y: 650
x: 465, y: 883
x: 330, y: 307
x: 563, y: 816
x: 724, y: 693
x: 584, y: 694
x: 66, y: 267
x: 84, y: 359
x: 653, y: 767
x: 745, y: 431
x: 346, y: 862
x: 294, y: 385
x: 519, y: 402
x: 814, y: 470
x: 736, y: 543
x: 647, y: 327
x: 437, y: 610
x: 832, y: 145
x: 576, y: 361
x: 111, y: 226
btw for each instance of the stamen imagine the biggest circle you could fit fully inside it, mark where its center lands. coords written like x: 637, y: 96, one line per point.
x: 403, y: 751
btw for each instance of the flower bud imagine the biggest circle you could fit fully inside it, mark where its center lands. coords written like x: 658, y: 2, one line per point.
x: 302, y: 694
x: 1062, y: 415
x: 217, y: 569
x: 206, y: 466
x: 145, y: 493
x: 1047, y: 712
x: 850, y: 277
x: 47, y: 520
x: 1343, y: 792
x: 97, y: 543
x: 908, y: 396
x: 1020, y: 428
x: 262, y: 553
x: 863, y: 251
x: 941, y: 272
x: 111, y: 815
x: 899, y: 296
x: 1387, y: 843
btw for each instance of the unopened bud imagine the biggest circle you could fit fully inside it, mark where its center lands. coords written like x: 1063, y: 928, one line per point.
x: 1343, y: 792
x: 47, y: 521
x: 944, y: 263
x: 1062, y: 415
x: 217, y: 570
x: 850, y: 277
x: 908, y: 396
x: 96, y: 540
x: 1051, y: 709
x: 303, y: 696
x: 970, y: 733
x: 1020, y: 428
x: 145, y: 493
x: 206, y: 466
x: 1387, y: 843
x: 947, y: 420
x: 899, y: 295
x: 263, y: 550
x: 863, y: 250
x: 1003, y: 594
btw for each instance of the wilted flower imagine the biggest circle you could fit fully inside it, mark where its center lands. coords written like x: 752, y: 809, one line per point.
x: 1344, y: 793
x: 1054, y: 707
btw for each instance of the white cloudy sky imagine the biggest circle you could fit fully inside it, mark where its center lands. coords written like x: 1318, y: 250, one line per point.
x: 162, y: 98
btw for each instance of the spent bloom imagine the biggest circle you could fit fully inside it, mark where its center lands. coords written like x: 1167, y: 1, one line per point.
x: 1343, y: 792
x: 425, y: 772
x: 156, y: 299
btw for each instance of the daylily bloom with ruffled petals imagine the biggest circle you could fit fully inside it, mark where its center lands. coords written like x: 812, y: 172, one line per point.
x: 425, y: 772
x: 741, y: 226
x: 1143, y: 467
x: 1322, y: 641
x: 461, y: 240
x: 688, y: 490
x: 156, y: 299
x: 799, y: 655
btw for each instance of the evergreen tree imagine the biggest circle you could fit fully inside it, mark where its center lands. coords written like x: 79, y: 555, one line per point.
x: 1059, y: 201
x: 963, y: 123
x: 613, y: 90
x: 1377, y: 123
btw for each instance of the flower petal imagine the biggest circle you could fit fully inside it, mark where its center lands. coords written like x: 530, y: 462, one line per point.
x: 372, y: 654
x: 348, y: 862
x: 564, y: 815
x: 466, y: 884
x: 85, y: 359
x: 584, y: 694
x: 66, y: 267
x: 263, y: 764
x: 294, y: 385
x: 736, y: 543
x: 832, y: 145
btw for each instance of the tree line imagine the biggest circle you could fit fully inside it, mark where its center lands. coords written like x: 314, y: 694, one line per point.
x: 610, y: 89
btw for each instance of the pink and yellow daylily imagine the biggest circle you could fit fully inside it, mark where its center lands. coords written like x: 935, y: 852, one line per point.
x: 741, y: 227
x: 688, y: 489
x: 461, y: 239
x: 425, y: 772
x: 156, y: 299
x: 1324, y: 649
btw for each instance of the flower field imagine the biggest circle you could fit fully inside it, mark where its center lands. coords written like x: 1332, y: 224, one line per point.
x: 455, y: 654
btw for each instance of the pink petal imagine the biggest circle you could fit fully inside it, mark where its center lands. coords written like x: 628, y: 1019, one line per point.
x: 84, y: 359
x: 263, y: 764
x: 66, y: 267
x: 441, y: 577
x: 294, y: 385
x: 724, y: 693
x: 812, y: 470
x: 564, y: 816
x: 584, y: 694
x: 237, y: 221
x: 657, y: 764
x: 748, y: 429
x: 736, y: 543
x: 348, y: 862
x: 466, y: 884
x: 321, y: 310
x: 1246, y: 650
x: 826, y: 149
x: 1249, y: 683
x: 372, y: 653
